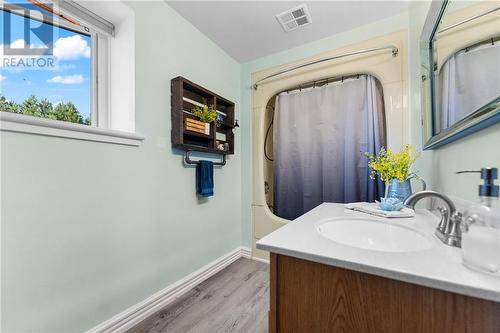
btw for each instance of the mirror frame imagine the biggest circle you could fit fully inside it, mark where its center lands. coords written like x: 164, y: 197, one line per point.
x: 486, y: 116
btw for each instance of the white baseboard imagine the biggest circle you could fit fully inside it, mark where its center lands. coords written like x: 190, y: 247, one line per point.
x: 246, y: 252
x: 266, y: 261
x: 137, y: 313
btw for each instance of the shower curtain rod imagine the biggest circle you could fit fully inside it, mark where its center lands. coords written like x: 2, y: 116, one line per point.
x: 325, y: 81
x: 469, y: 19
x: 394, y: 52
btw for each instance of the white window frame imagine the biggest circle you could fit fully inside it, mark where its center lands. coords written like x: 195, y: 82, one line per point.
x: 100, y: 32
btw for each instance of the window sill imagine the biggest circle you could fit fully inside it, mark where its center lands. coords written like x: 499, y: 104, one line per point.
x: 11, y: 122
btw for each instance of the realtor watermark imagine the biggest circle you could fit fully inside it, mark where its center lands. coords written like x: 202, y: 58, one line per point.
x: 22, y: 52
x: 27, y: 62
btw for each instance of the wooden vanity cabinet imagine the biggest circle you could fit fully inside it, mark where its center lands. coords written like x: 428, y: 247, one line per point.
x: 309, y: 297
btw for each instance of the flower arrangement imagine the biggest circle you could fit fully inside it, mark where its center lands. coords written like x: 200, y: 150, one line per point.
x: 206, y: 113
x: 390, y: 165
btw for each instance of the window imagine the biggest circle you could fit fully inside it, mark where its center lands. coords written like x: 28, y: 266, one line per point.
x: 56, y: 67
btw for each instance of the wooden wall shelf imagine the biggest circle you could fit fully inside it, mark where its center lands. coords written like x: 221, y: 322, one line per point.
x: 185, y: 95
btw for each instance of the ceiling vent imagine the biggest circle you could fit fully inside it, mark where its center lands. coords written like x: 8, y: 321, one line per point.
x: 294, y: 18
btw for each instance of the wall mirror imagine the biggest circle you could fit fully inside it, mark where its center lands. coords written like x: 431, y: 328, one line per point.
x: 460, y: 52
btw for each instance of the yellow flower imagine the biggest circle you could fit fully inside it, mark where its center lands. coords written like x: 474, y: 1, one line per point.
x: 389, y: 165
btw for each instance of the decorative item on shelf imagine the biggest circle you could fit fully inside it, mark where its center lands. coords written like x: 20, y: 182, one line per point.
x: 224, y: 146
x: 206, y: 115
x: 197, y: 126
x: 394, y: 170
x: 220, y: 118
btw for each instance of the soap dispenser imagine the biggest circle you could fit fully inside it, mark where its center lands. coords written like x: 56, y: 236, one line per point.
x: 481, y: 227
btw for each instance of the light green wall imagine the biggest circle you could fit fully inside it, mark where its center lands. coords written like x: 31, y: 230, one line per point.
x: 89, y: 229
x: 379, y: 28
x: 478, y: 150
x: 416, y: 18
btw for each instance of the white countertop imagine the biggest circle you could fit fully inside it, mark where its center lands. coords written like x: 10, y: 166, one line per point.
x: 438, y: 267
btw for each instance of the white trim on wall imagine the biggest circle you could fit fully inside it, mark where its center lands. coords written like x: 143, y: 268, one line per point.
x: 266, y: 261
x: 12, y: 122
x: 140, y: 311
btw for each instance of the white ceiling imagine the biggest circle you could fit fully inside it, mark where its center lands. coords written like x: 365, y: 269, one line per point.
x: 248, y: 30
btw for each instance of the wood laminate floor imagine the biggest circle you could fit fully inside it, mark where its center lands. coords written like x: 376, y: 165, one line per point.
x: 234, y: 300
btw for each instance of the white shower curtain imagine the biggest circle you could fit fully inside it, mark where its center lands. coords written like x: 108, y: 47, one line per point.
x: 468, y: 80
x: 319, y: 138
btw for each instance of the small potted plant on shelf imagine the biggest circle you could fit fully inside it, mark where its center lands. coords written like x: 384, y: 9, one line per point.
x: 394, y: 170
x: 206, y: 115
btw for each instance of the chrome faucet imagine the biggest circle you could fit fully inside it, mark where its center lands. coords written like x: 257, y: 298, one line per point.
x: 448, y: 229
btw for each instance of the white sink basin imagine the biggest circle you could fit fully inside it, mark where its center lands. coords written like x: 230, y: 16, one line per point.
x: 372, y: 234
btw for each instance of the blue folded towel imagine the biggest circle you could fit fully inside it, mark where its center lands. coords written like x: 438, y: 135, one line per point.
x: 205, y: 178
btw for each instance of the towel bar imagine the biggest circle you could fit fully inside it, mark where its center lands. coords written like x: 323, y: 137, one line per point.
x: 188, y: 160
